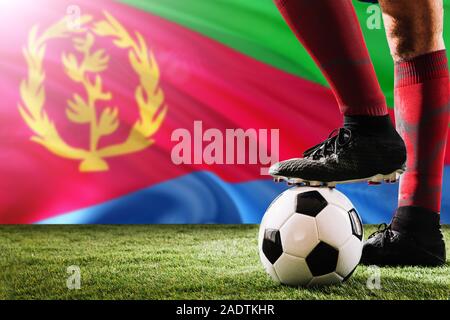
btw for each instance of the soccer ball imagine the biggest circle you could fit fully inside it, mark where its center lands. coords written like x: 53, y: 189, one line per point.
x: 310, y: 237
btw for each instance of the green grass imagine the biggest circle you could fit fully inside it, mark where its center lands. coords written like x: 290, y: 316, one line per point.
x: 175, y: 262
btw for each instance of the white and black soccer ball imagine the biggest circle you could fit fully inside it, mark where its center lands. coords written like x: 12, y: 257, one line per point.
x: 310, y: 236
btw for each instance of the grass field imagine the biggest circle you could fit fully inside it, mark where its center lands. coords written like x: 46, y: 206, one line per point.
x: 175, y: 262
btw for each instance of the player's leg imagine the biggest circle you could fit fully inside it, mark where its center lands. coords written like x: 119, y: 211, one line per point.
x: 422, y: 100
x: 368, y: 145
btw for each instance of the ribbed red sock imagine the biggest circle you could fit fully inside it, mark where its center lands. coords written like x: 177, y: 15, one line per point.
x: 331, y: 33
x: 422, y: 103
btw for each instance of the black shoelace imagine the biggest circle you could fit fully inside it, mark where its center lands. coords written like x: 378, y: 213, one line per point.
x: 337, y: 139
x: 385, y: 230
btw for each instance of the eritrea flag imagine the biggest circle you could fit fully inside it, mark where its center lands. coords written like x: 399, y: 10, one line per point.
x: 162, y: 111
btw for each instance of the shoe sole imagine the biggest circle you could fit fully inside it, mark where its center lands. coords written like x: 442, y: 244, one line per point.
x: 377, y: 179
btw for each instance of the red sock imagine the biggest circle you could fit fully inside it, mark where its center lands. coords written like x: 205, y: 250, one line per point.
x: 330, y: 31
x: 422, y: 102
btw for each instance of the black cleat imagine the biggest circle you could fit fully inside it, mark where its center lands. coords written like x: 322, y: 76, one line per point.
x: 387, y: 247
x: 346, y: 156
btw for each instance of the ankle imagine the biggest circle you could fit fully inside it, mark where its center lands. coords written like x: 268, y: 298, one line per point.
x: 371, y: 125
x: 418, y: 222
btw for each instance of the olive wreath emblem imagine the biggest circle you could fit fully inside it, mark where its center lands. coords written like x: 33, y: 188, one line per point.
x: 80, y: 109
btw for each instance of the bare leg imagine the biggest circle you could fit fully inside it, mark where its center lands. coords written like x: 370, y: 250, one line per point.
x: 413, y: 28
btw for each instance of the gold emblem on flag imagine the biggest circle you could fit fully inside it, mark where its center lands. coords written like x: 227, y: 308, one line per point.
x: 82, y: 109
